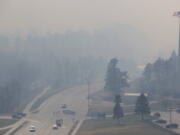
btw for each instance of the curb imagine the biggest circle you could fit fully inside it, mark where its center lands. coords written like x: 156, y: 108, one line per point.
x: 75, y: 127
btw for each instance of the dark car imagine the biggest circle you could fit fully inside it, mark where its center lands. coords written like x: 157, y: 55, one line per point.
x: 157, y: 115
x: 161, y: 121
x: 178, y: 110
x: 59, y: 122
x: 18, y: 115
x: 64, y: 106
x: 22, y: 114
x: 69, y: 112
x: 173, y: 125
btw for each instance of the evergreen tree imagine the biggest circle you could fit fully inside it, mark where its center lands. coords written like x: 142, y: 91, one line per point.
x: 161, y: 78
x: 115, y: 79
x: 117, y: 111
x: 142, y: 106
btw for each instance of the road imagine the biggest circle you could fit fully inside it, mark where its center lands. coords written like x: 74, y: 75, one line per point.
x: 50, y: 110
x: 26, y: 110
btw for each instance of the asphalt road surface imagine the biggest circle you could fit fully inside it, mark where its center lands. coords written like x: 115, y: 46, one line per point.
x: 50, y: 110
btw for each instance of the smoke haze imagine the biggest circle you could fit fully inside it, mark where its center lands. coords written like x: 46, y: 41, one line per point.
x: 150, y: 19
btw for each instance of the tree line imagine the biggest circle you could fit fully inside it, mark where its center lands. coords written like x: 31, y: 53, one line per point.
x: 27, y: 66
x: 161, y: 78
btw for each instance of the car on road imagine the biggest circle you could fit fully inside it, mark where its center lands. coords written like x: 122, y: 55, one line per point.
x: 15, y: 116
x: 156, y: 115
x: 64, y: 106
x: 69, y: 112
x: 172, y: 125
x: 161, y: 121
x: 59, y: 122
x: 18, y: 115
x: 178, y: 110
x: 55, y: 127
x: 32, y: 128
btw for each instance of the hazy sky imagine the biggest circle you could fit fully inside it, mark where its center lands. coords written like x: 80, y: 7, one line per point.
x: 153, y: 17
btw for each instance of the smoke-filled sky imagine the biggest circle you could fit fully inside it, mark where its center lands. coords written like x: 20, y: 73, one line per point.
x: 151, y: 17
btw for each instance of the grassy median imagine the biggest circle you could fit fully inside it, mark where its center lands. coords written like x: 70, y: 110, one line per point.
x: 129, y: 125
x: 7, y: 122
x: 3, y: 131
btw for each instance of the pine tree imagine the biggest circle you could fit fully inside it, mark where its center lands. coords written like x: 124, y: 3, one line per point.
x: 115, y: 79
x: 117, y: 111
x: 142, y: 106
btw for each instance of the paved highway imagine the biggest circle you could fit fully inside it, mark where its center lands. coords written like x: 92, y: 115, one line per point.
x: 50, y: 110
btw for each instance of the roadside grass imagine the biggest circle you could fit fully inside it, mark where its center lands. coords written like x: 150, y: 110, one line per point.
x: 7, y: 122
x: 129, y: 125
x: 30, y: 96
x: 3, y: 131
x: 41, y: 100
x: 18, y: 128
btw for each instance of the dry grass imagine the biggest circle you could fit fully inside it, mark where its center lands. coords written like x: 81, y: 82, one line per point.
x: 127, y: 126
x: 2, y: 132
x: 7, y: 122
x: 138, y: 129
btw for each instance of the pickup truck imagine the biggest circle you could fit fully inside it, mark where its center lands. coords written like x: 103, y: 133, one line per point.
x: 59, y: 122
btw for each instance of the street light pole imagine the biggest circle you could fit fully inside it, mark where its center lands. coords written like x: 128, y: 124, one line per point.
x: 177, y: 14
x: 88, y: 95
x: 179, y: 47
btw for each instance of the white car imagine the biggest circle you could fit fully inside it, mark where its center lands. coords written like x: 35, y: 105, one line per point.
x: 32, y: 128
x: 55, y: 127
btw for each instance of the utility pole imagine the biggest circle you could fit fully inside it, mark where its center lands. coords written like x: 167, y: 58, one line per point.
x: 179, y: 44
x: 88, y: 93
x: 177, y: 14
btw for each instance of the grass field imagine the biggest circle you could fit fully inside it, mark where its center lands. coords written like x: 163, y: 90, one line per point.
x: 7, y: 122
x: 130, y: 125
x: 2, y: 132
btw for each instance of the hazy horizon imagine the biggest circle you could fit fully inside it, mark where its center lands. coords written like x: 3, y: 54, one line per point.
x: 152, y: 18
